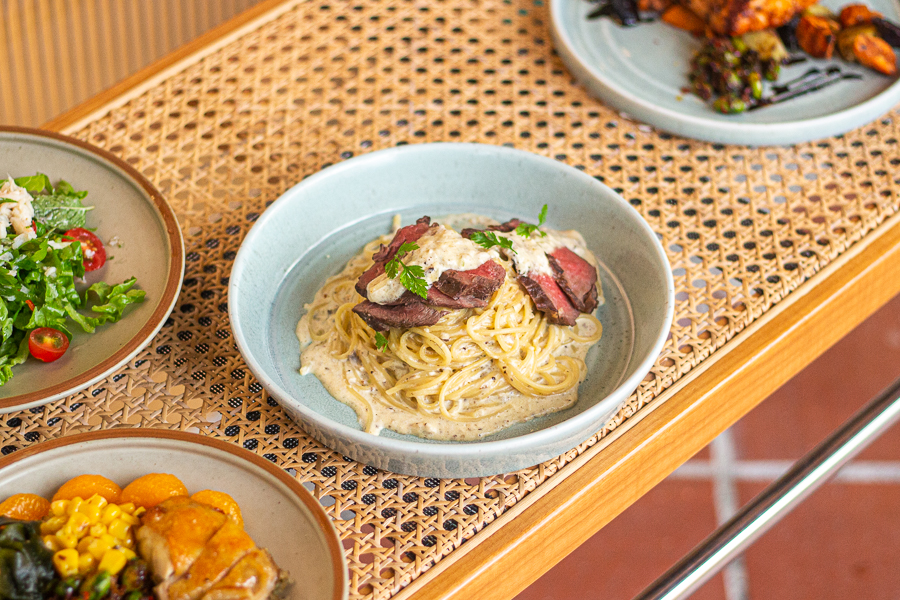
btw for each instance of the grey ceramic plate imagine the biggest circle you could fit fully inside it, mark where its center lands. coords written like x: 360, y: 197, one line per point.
x: 126, y: 206
x: 315, y: 227
x: 641, y: 71
x: 278, y: 513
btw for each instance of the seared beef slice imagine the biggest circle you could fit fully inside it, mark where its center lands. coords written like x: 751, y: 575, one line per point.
x: 410, y: 233
x: 381, y: 318
x: 479, y: 283
x: 549, y: 298
x: 577, y: 278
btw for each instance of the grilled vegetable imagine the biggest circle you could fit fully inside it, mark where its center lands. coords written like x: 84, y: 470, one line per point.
x: 847, y: 37
x: 726, y: 71
x: 817, y: 36
x: 788, y: 34
x: 818, y: 10
x: 766, y: 44
x: 682, y: 18
x: 875, y: 53
x: 856, y: 14
x: 887, y: 31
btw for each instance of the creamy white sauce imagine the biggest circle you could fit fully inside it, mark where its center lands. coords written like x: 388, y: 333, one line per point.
x: 531, y: 252
x: 335, y: 374
x: 440, y: 249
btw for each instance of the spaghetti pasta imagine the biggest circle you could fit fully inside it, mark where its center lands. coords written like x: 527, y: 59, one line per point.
x: 474, y: 372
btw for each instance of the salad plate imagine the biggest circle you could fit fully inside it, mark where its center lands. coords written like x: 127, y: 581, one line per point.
x: 311, y: 231
x: 279, y: 514
x: 142, y: 238
x: 642, y: 71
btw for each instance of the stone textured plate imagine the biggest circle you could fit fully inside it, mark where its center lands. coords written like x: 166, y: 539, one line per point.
x: 126, y: 206
x: 279, y: 514
x: 315, y: 227
x: 641, y: 71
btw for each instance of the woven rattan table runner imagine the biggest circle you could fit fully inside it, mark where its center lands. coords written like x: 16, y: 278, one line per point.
x: 322, y: 82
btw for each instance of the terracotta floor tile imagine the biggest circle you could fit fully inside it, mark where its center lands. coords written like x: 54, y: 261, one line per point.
x: 636, y: 548
x: 821, y: 397
x: 843, y: 542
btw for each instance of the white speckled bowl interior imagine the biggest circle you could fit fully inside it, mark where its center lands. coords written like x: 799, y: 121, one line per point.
x: 310, y: 232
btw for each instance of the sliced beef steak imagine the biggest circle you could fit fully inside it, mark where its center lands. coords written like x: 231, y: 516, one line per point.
x: 577, y: 278
x: 549, y: 298
x: 478, y: 283
x: 410, y: 233
x: 381, y: 318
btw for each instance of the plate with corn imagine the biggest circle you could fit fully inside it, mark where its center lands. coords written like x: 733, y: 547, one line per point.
x: 138, y: 514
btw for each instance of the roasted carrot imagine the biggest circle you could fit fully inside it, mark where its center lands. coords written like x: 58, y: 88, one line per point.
x: 682, y: 18
x: 875, y: 53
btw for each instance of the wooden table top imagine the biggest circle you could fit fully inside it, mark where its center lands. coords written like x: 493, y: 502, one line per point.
x: 776, y: 252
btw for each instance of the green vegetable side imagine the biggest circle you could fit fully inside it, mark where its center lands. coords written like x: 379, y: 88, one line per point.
x: 26, y: 565
x: 38, y: 276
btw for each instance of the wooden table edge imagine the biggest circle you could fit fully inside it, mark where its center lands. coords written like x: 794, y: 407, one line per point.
x: 593, y: 489
x: 550, y: 522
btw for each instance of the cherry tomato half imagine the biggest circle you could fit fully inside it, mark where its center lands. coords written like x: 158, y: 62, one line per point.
x: 47, y: 344
x: 91, y: 247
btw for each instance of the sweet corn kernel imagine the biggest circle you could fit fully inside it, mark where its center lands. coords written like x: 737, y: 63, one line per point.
x: 119, y: 529
x: 95, y: 535
x: 66, y: 562
x: 97, y: 501
x: 83, y: 545
x: 111, y: 512
x: 59, y: 507
x: 140, y: 510
x: 53, y: 524
x: 67, y: 540
x: 113, y: 562
x: 86, y: 563
x: 78, y: 523
x: 99, y: 546
x: 74, y: 505
x: 130, y: 519
x: 52, y: 543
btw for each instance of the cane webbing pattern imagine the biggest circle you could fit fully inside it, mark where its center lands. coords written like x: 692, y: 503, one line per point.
x: 325, y: 81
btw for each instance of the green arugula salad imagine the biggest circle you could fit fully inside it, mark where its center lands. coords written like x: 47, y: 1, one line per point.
x: 45, y: 251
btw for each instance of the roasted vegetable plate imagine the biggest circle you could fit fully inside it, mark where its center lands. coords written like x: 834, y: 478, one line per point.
x: 774, y: 72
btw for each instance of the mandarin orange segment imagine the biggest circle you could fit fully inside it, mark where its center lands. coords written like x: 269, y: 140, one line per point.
x: 221, y: 501
x: 153, y: 488
x: 27, y: 507
x: 85, y: 486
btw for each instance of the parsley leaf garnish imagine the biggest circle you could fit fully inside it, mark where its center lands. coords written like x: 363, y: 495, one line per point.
x: 381, y: 342
x: 526, y: 229
x: 412, y: 277
x: 489, y: 239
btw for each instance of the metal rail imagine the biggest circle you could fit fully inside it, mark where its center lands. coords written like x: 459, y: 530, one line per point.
x: 777, y: 500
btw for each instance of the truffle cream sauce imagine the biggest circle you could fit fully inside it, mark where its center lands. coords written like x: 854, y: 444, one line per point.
x: 335, y: 374
x: 440, y: 249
